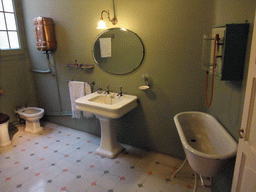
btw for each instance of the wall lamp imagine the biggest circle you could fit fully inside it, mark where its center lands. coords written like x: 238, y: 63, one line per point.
x: 102, y: 24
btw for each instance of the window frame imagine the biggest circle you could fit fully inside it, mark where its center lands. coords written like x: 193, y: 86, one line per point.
x: 19, y: 22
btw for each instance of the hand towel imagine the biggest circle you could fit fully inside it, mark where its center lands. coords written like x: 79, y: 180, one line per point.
x: 76, y: 90
x: 87, y: 88
x: 105, y: 47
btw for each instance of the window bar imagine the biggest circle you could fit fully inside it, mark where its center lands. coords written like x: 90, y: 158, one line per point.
x: 7, y: 30
x: 6, y: 25
x: 16, y: 24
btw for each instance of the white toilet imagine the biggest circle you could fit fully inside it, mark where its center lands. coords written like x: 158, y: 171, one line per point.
x: 32, y: 115
x: 4, y: 133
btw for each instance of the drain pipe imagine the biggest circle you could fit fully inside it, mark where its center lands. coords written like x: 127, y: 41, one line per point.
x: 57, y: 82
x: 53, y: 70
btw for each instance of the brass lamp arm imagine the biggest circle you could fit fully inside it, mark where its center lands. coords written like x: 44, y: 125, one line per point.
x: 113, y: 21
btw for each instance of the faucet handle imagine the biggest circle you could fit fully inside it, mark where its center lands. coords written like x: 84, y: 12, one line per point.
x: 107, y: 92
x: 121, y: 92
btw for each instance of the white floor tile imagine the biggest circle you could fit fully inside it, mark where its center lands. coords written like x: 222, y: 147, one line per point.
x: 33, y: 184
x: 78, y: 185
x: 78, y: 153
x: 92, y: 174
x: 51, y: 172
x: 57, y: 145
x: 120, y: 169
x: 7, y: 186
x: 108, y: 181
x: 64, y: 179
x: 130, y: 182
x: 96, y: 188
x: 49, y: 187
x: 65, y: 163
x: 78, y: 168
x: 154, y: 183
x: 63, y: 159
x: 177, y: 186
x: 127, y: 158
x: 23, y: 177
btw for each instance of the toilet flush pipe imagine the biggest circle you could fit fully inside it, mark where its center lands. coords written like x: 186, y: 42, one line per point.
x: 58, y: 87
x: 54, y: 72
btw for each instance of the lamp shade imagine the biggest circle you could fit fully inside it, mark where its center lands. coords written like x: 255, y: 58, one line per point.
x: 102, y: 25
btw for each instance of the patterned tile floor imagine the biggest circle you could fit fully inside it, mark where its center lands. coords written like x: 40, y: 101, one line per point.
x: 63, y: 159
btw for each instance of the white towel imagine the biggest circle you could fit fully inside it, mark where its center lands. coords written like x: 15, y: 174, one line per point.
x: 87, y: 88
x: 105, y: 47
x: 76, y: 90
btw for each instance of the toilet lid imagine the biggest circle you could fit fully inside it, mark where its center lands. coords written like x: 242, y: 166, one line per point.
x: 4, y: 118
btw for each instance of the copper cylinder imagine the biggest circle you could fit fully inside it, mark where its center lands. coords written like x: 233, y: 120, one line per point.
x: 45, y: 34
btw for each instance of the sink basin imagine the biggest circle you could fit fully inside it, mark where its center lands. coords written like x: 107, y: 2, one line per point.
x: 107, y: 106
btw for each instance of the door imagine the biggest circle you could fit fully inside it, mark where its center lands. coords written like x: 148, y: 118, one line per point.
x: 245, y: 169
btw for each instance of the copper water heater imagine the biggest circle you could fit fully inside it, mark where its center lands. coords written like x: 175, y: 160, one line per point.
x: 45, y: 34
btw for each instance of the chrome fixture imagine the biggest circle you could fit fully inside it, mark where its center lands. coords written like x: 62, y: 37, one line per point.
x: 121, y: 92
x: 107, y: 92
x: 145, y: 79
x: 102, y: 24
x: 90, y: 83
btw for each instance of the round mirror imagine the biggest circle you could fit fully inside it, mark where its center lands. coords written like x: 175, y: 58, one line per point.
x: 118, y: 51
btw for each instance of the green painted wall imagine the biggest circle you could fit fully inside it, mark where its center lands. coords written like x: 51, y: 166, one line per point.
x: 228, y: 99
x: 172, y: 34
x: 17, y: 86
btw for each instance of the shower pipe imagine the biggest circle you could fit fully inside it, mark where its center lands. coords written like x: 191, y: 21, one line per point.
x: 213, y: 71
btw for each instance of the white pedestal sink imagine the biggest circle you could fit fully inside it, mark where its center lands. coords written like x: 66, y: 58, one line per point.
x: 107, y: 108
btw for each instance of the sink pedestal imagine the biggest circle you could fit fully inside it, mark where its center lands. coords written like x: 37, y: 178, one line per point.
x: 109, y: 147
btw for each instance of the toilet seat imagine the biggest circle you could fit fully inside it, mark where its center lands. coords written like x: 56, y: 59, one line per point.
x: 32, y: 115
x: 30, y: 112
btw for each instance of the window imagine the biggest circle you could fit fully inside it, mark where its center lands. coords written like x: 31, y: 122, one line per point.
x: 9, y: 38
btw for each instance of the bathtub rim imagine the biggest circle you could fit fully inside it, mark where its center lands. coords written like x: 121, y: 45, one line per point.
x: 185, y: 144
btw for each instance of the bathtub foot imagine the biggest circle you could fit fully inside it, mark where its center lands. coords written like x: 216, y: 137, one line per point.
x: 173, y: 175
x: 204, y: 185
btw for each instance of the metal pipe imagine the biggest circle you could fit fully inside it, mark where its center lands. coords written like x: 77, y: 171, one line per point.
x: 195, y: 186
x: 114, y: 9
x: 203, y: 184
x: 41, y: 71
x: 173, y: 175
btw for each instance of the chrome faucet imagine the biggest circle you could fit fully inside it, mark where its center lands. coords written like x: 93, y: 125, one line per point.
x: 107, y: 92
x: 121, y: 92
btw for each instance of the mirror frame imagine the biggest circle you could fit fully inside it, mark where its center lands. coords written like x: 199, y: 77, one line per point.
x: 133, y: 69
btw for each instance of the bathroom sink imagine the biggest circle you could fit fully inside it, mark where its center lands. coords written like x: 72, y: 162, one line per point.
x: 107, y: 106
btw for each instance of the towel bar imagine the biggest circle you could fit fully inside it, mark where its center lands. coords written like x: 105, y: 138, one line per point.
x: 90, y: 83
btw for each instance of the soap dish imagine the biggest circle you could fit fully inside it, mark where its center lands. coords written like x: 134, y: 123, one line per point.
x: 144, y: 87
